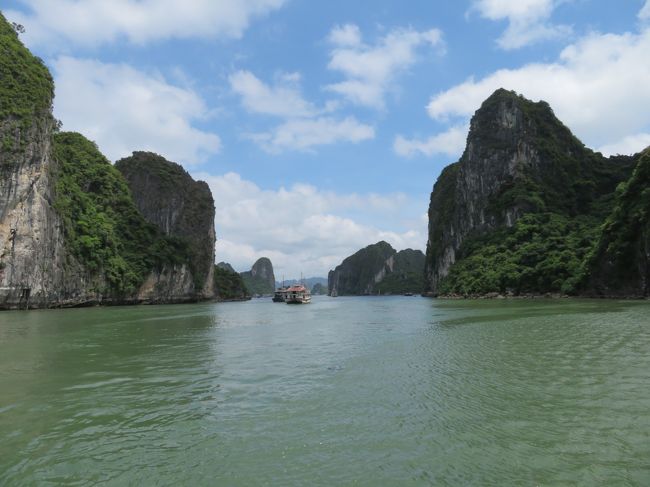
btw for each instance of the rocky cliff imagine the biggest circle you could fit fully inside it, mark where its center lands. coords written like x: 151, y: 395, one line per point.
x: 519, y: 209
x: 260, y: 279
x: 378, y: 268
x: 32, y: 251
x: 70, y: 233
x: 182, y: 208
x: 405, y: 274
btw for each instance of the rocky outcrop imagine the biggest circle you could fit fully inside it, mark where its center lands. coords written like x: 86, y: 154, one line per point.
x: 70, y: 233
x: 519, y: 159
x: 620, y: 265
x: 260, y: 279
x: 226, y: 266
x: 168, y: 197
x: 378, y: 269
x: 228, y: 284
x: 33, y: 270
x: 318, y: 289
x: 406, y: 275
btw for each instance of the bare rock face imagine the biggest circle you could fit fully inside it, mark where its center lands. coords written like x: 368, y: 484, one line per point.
x: 30, y: 232
x: 167, y: 196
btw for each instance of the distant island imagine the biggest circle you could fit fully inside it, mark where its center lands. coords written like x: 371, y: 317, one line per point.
x: 260, y: 280
x: 378, y: 269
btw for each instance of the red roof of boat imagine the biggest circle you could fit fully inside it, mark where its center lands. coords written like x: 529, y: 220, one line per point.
x: 297, y: 288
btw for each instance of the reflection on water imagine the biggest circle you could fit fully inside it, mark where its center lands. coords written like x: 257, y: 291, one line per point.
x: 363, y: 391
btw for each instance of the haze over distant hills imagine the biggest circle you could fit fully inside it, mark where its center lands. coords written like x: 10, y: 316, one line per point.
x: 308, y: 281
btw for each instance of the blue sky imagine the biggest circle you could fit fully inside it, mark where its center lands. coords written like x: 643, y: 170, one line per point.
x: 322, y: 126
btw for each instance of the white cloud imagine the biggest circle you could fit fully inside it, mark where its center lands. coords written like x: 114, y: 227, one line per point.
x: 345, y: 35
x: 305, y: 134
x: 628, y: 145
x: 371, y: 70
x: 598, y: 87
x: 283, y: 100
x: 304, y: 229
x: 305, y: 125
x: 527, y: 20
x: 94, y: 22
x: 451, y: 143
x: 124, y: 109
x: 644, y: 13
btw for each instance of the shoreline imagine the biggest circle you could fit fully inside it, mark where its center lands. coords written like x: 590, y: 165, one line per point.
x: 500, y: 296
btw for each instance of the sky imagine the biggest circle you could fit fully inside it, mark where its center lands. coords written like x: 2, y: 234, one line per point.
x: 321, y: 126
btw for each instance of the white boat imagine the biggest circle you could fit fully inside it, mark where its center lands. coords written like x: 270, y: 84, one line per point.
x: 298, y: 294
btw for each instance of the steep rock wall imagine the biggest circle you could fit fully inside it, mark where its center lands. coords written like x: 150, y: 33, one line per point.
x: 35, y: 270
x: 182, y: 208
x: 519, y: 159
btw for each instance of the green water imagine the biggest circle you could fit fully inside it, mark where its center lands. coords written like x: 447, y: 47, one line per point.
x: 345, y: 391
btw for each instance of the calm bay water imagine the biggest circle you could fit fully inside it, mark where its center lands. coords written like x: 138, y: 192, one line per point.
x: 345, y: 391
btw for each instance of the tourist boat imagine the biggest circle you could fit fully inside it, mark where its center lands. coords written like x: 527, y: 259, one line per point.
x: 280, y: 295
x: 298, y: 294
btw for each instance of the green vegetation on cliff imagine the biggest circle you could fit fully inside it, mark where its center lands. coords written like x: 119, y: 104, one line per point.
x: 319, y: 289
x: 378, y: 269
x: 357, y: 273
x: 620, y: 263
x: 26, y: 87
x: 228, y: 284
x: 542, y: 252
x: 102, y: 226
x: 260, y: 279
x: 441, y: 209
x: 407, y: 276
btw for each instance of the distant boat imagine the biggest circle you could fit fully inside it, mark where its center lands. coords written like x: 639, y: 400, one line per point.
x: 280, y: 295
x: 298, y: 294
x: 334, y: 294
x: 408, y: 294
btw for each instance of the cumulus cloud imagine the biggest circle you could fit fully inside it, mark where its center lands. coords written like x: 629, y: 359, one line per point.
x: 283, y: 100
x: 304, y: 229
x: 305, y: 134
x: 305, y: 126
x: 598, y: 87
x: 94, y: 22
x: 644, y: 13
x: 527, y: 20
x: 370, y: 70
x: 450, y: 143
x: 628, y: 145
x: 124, y: 109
